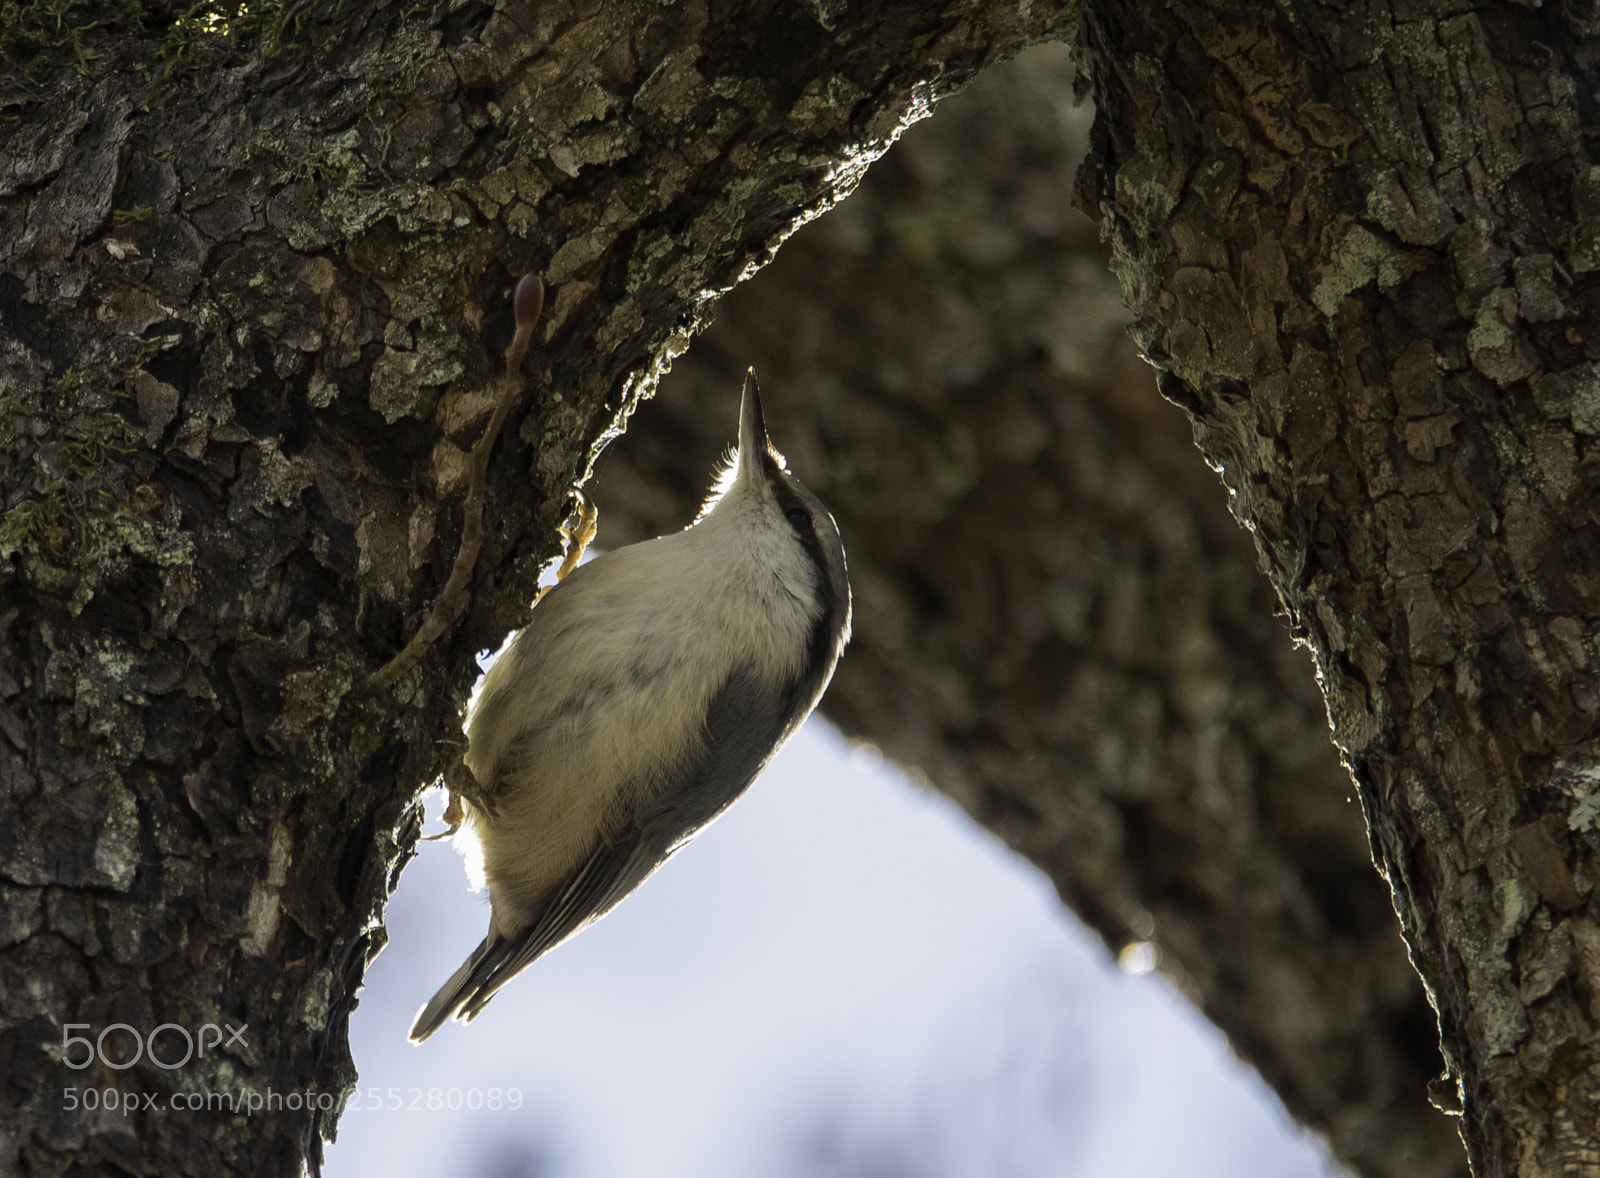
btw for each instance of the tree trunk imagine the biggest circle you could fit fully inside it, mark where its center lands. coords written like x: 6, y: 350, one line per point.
x: 1057, y: 621
x: 255, y: 276
x: 1361, y: 242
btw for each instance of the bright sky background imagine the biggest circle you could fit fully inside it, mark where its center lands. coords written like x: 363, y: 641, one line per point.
x: 843, y: 978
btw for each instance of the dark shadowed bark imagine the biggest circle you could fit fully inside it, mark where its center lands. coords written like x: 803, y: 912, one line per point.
x: 254, y: 285
x: 1361, y: 242
x: 1058, y: 623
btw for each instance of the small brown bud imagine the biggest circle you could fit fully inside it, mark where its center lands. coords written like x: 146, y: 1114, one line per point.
x: 528, y: 301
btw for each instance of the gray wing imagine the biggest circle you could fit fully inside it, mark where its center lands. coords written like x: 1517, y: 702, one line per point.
x: 747, y: 721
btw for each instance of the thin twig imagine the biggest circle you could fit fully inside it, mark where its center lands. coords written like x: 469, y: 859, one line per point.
x: 528, y: 302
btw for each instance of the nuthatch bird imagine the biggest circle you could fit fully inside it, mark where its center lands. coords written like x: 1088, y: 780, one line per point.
x: 646, y: 693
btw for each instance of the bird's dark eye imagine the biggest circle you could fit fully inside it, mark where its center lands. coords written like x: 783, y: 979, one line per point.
x: 799, y: 517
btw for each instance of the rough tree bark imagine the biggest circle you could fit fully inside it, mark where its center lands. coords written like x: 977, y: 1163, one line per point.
x: 254, y: 281
x: 1058, y: 623
x: 1362, y: 241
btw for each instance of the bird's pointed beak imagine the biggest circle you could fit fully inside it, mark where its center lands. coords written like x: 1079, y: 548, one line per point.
x: 753, y: 441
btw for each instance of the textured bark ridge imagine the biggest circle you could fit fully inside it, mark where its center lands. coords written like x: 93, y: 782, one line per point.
x: 254, y: 283
x: 1361, y: 242
x: 1057, y: 622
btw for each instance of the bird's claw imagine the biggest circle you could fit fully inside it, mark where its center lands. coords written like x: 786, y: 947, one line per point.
x: 463, y: 788
x: 578, y: 538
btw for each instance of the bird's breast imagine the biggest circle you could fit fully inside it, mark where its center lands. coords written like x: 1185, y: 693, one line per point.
x: 586, y: 716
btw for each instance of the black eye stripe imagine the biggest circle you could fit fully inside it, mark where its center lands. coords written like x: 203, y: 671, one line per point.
x: 799, y: 517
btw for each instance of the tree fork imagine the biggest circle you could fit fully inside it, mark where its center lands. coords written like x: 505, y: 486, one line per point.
x: 1061, y: 625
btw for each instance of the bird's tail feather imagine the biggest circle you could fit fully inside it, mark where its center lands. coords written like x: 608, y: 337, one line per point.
x: 463, y: 986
